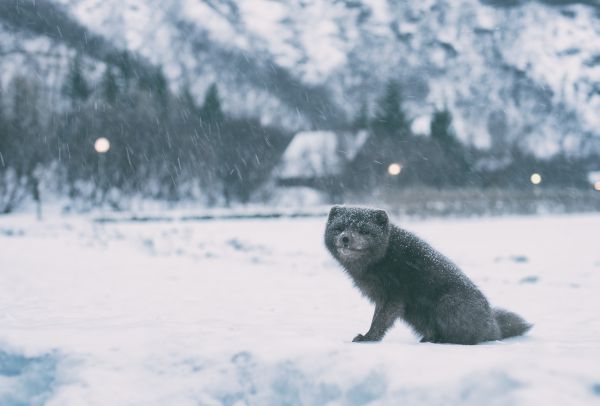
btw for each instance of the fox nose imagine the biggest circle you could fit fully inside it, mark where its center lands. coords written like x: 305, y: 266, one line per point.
x: 345, y: 240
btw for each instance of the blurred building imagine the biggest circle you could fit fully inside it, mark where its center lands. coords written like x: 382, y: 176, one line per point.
x: 318, y: 160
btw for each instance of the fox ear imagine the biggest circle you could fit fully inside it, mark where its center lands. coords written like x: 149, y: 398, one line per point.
x: 381, y: 217
x: 334, y: 211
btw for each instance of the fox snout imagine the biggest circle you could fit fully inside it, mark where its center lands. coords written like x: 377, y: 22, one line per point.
x: 349, y: 240
x: 344, y: 240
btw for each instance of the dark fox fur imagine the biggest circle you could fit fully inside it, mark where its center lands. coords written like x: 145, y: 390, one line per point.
x: 406, y: 278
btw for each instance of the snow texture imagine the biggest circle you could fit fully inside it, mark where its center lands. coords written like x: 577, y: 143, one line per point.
x: 236, y: 312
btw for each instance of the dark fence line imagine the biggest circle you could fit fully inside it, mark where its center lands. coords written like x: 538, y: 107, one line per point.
x: 209, y: 217
x: 490, y: 202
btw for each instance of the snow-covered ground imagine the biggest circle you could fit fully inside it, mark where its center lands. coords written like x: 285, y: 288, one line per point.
x: 254, y: 312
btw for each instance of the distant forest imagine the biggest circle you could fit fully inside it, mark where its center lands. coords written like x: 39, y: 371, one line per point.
x: 169, y: 147
x: 162, y: 146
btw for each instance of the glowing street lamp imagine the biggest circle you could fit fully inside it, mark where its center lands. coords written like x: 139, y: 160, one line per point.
x: 394, y: 169
x: 597, y: 186
x: 102, y: 145
x: 536, y: 178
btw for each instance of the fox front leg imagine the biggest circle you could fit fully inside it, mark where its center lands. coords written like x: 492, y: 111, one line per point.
x: 384, y: 317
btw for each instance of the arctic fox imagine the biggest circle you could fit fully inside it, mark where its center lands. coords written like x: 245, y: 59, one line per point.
x: 406, y: 278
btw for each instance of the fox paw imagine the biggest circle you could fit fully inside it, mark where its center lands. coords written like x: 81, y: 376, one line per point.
x: 360, y: 338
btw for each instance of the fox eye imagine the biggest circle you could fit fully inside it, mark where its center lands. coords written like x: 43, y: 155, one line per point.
x: 338, y: 228
x: 363, y: 231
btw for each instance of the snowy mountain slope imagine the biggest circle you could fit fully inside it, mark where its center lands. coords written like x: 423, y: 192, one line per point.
x: 41, y: 30
x: 527, y: 73
x: 501, y: 71
x: 45, y: 34
x: 511, y: 72
x: 214, y: 313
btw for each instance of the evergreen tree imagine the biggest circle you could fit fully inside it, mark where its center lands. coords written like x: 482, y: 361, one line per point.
x: 441, y: 126
x: 3, y: 132
x: 188, y: 102
x: 211, y: 109
x: 110, y: 88
x: 125, y: 65
x: 362, y: 119
x: 453, y: 166
x: 222, y: 139
x: 159, y: 87
x: 25, y: 113
x: 26, y: 151
x: 76, y: 86
x: 390, y: 119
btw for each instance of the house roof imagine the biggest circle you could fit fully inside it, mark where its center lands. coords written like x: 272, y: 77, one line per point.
x: 319, y: 153
x: 594, y: 176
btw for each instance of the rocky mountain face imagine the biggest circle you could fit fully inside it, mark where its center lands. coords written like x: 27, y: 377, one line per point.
x: 523, y: 73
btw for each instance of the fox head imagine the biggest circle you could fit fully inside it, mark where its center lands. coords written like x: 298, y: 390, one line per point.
x: 357, y: 236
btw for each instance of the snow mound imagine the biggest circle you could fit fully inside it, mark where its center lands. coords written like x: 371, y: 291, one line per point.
x: 26, y: 380
x: 288, y: 383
